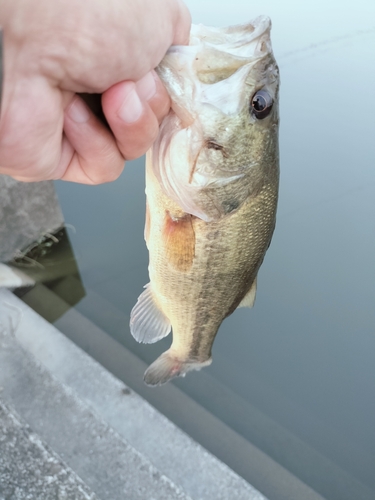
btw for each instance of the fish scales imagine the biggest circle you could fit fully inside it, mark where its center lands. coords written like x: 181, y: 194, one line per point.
x: 229, y: 253
x: 211, y: 197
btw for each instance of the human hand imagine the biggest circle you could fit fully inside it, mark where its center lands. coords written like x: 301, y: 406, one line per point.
x: 54, y: 50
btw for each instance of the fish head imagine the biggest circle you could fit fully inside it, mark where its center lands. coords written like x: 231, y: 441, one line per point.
x: 218, y: 145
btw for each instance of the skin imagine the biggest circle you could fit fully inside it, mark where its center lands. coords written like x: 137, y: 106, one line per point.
x: 55, y: 50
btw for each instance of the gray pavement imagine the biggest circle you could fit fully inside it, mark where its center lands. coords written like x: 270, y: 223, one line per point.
x: 29, y: 469
x: 106, y: 440
x: 27, y: 211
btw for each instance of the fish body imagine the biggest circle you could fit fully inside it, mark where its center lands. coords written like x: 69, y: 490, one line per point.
x: 212, y: 188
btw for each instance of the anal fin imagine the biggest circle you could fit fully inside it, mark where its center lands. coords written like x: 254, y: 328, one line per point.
x: 148, y: 323
x: 249, y: 299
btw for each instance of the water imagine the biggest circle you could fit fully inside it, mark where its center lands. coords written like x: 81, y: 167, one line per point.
x: 296, y: 374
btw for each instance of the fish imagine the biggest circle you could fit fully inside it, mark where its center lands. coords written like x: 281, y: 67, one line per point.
x: 212, y: 179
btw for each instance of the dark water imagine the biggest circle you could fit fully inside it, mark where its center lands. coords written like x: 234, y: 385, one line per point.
x: 298, y: 369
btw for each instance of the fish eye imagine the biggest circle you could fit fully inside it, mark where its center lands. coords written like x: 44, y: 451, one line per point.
x: 261, y: 104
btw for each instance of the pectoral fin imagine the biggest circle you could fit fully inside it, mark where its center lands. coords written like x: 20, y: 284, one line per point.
x: 249, y: 299
x: 148, y: 324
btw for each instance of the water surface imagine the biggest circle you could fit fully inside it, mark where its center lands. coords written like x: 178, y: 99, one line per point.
x: 295, y: 375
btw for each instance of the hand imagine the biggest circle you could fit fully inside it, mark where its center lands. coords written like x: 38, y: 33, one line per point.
x: 56, y: 49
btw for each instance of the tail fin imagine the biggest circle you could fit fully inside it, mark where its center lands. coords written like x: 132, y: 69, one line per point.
x: 168, y: 366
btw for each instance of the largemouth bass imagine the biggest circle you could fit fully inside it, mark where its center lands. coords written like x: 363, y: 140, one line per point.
x: 212, y: 187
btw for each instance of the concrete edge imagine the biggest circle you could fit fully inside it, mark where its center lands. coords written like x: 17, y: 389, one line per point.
x: 29, y: 468
x: 100, y: 389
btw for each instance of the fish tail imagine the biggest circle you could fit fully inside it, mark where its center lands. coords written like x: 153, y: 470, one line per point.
x: 168, y: 366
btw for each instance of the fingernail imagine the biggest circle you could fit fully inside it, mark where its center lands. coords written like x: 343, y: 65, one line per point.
x: 78, y: 111
x: 146, y: 86
x: 131, y: 108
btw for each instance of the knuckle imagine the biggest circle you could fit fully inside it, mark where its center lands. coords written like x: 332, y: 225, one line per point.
x: 108, y: 169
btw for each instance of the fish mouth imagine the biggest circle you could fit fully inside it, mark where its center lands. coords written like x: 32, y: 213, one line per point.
x: 214, y: 56
x: 245, y: 41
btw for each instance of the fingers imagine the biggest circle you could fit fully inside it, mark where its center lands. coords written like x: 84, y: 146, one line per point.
x: 182, y: 24
x: 30, y: 129
x: 134, y: 111
x: 91, y: 154
x: 38, y: 141
x: 110, y: 42
x: 34, y: 148
x: 150, y: 89
x: 89, y: 151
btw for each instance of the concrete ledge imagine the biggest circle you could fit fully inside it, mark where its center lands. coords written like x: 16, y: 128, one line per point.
x: 27, y: 211
x: 88, y: 445
x: 13, y: 278
x: 78, y: 411
x: 29, y: 469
